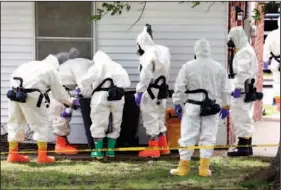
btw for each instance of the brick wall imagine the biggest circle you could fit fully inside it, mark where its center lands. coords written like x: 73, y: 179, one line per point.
x: 232, y: 13
x: 257, y: 43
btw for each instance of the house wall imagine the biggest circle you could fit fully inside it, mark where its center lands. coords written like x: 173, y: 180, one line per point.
x: 175, y: 25
x: 17, y: 43
x: 258, y: 42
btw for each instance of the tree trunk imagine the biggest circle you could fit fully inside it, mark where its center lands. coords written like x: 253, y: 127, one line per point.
x: 270, y: 174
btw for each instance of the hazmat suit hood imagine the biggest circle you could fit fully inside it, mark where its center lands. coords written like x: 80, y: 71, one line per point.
x: 202, y: 48
x: 144, y: 39
x: 239, y: 37
x: 101, y: 57
x: 52, y: 62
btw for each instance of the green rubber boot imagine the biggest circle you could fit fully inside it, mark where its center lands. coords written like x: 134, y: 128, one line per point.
x: 98, y: 145
x: 111, y: 145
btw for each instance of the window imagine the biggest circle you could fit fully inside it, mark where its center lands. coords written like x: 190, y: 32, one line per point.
x: 62, y: 25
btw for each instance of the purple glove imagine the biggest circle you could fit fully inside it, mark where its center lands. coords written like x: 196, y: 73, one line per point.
x: 75, y: 104
x: 178, y: 110
x: 138, y: 98
x: 236, y: 93
x: 67, y: 113
x: 78, y: 90
x: 224, y: 113
x: 265, y: 65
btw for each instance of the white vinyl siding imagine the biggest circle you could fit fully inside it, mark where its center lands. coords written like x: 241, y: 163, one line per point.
x: 17, y: 43
x: 175, y: 25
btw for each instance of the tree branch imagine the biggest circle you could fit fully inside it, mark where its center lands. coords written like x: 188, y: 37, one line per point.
x: 143, y: 8
x: 210, y: 6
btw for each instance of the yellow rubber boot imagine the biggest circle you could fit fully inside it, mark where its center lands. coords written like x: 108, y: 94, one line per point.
x: 204, y: 170
x: 14, y: 156
x: 182, y: 169
x: 42, y: 154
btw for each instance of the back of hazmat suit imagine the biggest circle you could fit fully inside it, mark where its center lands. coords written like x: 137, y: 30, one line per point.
x: 271, y: 53
x: 200, y: 73
x: 70, y: 72
x: 101, y: 107
x: 245, y: 67
x: 37, y: 77
x: 154, y: 64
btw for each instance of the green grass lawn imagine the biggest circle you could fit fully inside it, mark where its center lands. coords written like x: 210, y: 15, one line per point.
x: 227, y: 173
x: 267, y: 74
x: 270, y: 110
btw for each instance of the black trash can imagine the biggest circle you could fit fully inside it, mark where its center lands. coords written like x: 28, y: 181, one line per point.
x: 130, y: 121
x: 85, y: 111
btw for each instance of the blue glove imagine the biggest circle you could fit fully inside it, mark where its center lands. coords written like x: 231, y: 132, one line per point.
x: 178, y: 110
x: 236, y: 93
x: 75, y: 104
x: 138, y: 98
x: 224, y: 113
x: 265, y: 65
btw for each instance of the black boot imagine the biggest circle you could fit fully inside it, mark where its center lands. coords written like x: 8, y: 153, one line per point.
x: 241, y: 151
x: 250, y: 148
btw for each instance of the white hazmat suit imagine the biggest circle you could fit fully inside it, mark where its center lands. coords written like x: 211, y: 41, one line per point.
x: 41, y: 75
x: 200, y: 73
x: 35, y: 74
x: 272, y: 45
x: 70, y: 72
x: 155, y: 62
x: 101, y: 108
x: 245, y: 67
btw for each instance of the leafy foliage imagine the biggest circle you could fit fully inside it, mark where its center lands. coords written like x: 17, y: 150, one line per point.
x: 114, y: 8
x: 117, y: 7
x: 263, y: 9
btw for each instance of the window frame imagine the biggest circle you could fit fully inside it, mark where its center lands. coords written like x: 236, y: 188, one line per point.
x: 92, y: 39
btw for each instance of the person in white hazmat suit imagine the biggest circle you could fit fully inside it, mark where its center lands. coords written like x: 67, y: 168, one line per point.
x: 107, y: 79
x: 152, y: 91
x: 245, y: 67
x: 200, y: 73
x: 271, y: 59
x: 25, y: 104
x: 70, y: 72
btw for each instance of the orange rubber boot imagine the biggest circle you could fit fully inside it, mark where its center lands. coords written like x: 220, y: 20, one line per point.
x: 162, y: 140
x: 14, y: 156
x: 42, y: 154
x: 277, y: 99
x: 63, y: 146
x: 151, y: 153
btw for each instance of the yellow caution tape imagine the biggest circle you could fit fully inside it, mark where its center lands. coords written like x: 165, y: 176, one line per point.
x: 124, y: 149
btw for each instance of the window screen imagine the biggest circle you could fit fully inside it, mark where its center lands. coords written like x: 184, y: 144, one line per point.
x: 47, y: 47
x: 62, y: 25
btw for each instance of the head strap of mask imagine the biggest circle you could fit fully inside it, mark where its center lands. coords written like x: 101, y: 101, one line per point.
x: 149, y: 30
